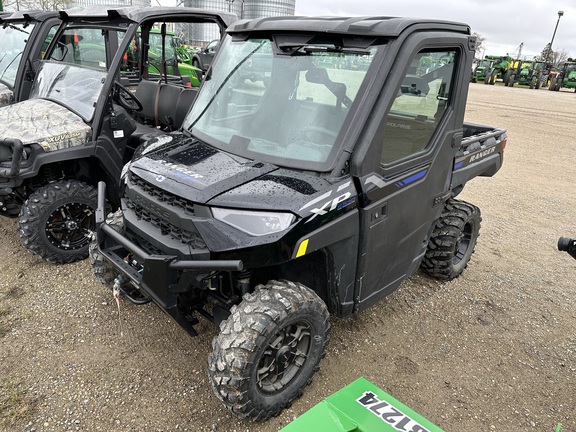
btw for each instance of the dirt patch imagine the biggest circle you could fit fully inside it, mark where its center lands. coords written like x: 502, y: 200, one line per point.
x: 492, y: 350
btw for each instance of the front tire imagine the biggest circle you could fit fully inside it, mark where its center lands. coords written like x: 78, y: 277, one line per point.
x: 56, y: 222
x: 268, y: 349
x: 453, y: 240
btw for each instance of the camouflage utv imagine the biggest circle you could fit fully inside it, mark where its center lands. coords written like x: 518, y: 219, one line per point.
x: 82, y: 122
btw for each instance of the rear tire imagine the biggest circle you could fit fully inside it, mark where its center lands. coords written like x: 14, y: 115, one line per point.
x: 268, y: 349
x: 493, y: 78
x: 453, y: 240
x: 56, y: 221
x: 558, y: 85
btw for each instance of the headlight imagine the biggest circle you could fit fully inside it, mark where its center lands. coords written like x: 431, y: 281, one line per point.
x: 254, y: 223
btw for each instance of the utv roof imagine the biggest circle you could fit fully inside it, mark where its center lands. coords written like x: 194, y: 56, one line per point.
x: 21, y: 16
x: 361, y: 26
x: 139, y: 14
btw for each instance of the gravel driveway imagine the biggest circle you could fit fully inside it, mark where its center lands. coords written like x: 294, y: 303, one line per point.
x: 492, y: 350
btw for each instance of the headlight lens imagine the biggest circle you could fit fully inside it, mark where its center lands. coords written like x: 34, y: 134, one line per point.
x: 254, y: 223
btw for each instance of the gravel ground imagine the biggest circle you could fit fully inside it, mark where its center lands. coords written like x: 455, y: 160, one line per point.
x: 493, y: 350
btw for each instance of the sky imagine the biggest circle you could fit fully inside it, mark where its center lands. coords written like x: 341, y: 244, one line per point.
x: 505, y: 23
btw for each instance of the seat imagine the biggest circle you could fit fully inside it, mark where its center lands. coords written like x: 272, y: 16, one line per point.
x: 185, y: 102
x: 147, y: 93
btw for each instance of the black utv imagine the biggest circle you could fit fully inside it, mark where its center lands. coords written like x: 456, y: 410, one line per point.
x: 317, y: 190
x: 93, y: 99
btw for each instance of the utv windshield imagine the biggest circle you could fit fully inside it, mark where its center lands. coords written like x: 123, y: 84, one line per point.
x: 77, y: 88
x: 283, y: 106
x: 13, y: 38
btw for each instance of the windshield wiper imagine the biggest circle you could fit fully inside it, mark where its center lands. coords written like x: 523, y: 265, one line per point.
x: 12, y: 26
x: 304, y: 49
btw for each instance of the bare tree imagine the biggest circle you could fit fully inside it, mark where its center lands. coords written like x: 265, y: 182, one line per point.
x: 560, y: 56
x: 480, y: 39
x: 15, y: 5
x: 554, y: 57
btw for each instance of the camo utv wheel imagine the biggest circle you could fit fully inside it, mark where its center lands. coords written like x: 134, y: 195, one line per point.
x: 453, y: 240
x: 56, y: 222
x: 268, y: 349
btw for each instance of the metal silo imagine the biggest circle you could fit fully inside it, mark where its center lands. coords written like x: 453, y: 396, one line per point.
x: 244, y: 9
x: 202, y: 35
x: 267, y: 8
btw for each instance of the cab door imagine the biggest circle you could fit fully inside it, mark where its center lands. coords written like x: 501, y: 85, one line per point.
x: 414, y: 145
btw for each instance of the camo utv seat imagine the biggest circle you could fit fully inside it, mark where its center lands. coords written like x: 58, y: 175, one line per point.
x: 43, y: 122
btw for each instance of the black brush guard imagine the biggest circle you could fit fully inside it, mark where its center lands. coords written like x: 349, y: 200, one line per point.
x: 154, y: 276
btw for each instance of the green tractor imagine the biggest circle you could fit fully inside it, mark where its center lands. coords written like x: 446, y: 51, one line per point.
x: 176, y: 62
x: 185, y: 53
x: 565, y: 78
x: 502, y: 67
x: 479, y: 72
x: 530, y: 73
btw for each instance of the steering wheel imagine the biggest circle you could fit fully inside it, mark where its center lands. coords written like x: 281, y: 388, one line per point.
x: 318, y: 135
x: 125, y: 98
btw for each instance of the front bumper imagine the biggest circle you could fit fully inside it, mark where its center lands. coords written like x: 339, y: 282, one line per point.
x: 157, y: 273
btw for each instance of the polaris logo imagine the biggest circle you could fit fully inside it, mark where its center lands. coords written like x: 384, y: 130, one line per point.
x: 482, y: 154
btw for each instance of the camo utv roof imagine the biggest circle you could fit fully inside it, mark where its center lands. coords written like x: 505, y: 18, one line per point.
x: 20, y: 16
x: 139, y: 14
x: 376, y: 26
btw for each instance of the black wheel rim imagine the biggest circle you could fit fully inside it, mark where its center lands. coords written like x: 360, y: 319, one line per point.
x: 284, y: 357
x: 70, y: 226
x: 463, y: 244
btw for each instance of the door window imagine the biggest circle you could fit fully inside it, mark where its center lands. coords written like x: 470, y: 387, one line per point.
x: 420, y: 103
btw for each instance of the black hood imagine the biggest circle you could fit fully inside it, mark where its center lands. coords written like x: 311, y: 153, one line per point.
x: 201, y: 173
